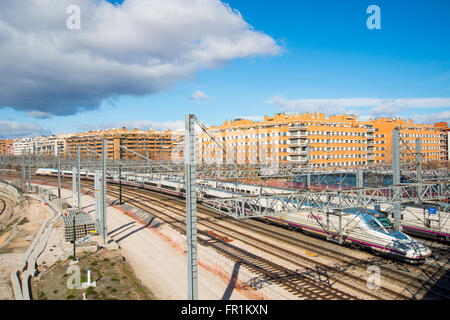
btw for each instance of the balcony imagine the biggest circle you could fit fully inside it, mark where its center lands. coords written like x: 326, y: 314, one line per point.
x: 297, y: 152
x: 298, y: 143
x: 298, y: 160
x: 298, y: 136
x: 298, y: 127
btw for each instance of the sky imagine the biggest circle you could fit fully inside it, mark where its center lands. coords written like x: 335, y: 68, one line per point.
x: 147, y: 63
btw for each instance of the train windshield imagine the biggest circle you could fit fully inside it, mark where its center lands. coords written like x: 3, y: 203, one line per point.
x: 385, y: 222
x: 374, y: 224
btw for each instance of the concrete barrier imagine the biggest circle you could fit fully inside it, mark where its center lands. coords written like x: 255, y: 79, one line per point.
x: 16, y: 284
x: 28, y: 261
x: 10, y: 190
x: 26, y: 286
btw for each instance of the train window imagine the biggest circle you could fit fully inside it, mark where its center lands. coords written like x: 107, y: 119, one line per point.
x: 385, y: 222
x: 374, y: 224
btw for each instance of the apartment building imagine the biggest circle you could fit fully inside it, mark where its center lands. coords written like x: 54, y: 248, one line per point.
x: 6, y: 145
x: 157, y: 145
x: 409, y: 132
x: 43, y: 146
x: 336, y: 141
x: 444, y: 140
x: 244, y: 141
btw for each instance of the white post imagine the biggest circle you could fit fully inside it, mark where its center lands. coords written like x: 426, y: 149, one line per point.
x: 74, y: 187
x: 191, y: 207
x: 97, y: 201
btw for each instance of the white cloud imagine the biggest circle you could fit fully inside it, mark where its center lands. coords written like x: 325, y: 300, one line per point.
x: 372, y: 107
x: 141, y: 125
x: 443, y: 116
x: 137, y: 48
x: 379, y: 106
x: 39, y: 114
x: 199, y: 95
x: 14, y: 129
x: 253, y: 118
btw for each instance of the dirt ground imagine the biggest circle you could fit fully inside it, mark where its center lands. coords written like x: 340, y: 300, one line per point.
x: 116, y: 279
x: 114, y: 276
x: 16, y: 234
x: 23, y: 226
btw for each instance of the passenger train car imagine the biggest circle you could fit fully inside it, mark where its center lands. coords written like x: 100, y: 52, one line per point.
x: 359, y: 227
x: 426, y: 220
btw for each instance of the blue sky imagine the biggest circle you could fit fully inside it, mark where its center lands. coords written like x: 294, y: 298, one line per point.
x: 327, y: 53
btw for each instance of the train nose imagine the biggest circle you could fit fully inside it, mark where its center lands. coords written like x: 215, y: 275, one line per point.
x: 419, y: 251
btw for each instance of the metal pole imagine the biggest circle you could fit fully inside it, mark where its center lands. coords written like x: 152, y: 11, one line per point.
x: 147, y: 169
x: 74, y: 186
x: 359, y: 183
x: 308, y: 162
x: 4, y: 164
x: 419, y: 160
x: 104, y: 208
x: 360, y: 179
x: 74, y: 239
x: 120, y: 175
x: 419, y: 167
x: 120, y: 184
x: 23, y: 166
x: 59, y: 172
x: 79, y: 177
x: 396, y: 176
x: 395, y: 157
x: 191, y: 208
x: 29, y: 169
x: 97, y: 201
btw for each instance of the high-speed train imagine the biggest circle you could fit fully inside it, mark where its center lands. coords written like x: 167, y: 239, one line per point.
x: 359, y: 227
x: 65, y: 173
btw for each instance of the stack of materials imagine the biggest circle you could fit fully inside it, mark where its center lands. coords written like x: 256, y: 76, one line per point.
x: 84, y: 225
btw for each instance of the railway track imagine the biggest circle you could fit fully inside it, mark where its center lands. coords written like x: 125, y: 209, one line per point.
x: 397, y: 272
x: 343, y: 258
x: 2, y: 206
x: 295, y: 283
x: 292, y: 281
x: 165, y: 205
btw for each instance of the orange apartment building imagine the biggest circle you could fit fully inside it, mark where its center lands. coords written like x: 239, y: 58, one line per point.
x: 409, y: 132
x: 6, y: 145
x: 245, y: 141
x: 445, y: 141
x: 158, y: 144
x: 336, y: 141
